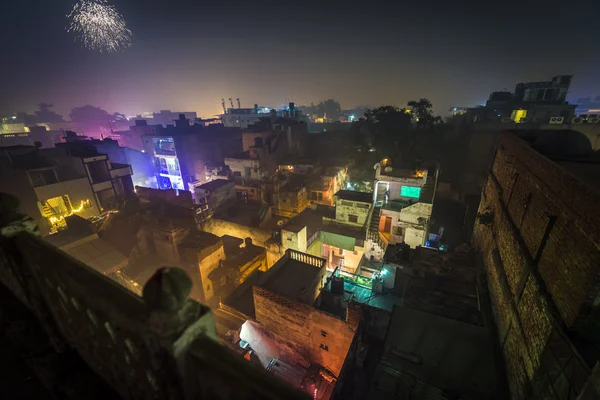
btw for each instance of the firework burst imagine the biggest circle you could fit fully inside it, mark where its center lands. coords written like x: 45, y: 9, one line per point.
x: 99, y: 26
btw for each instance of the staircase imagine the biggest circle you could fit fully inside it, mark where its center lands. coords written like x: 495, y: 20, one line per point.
x: 373, y: 240
x: 375, y: 217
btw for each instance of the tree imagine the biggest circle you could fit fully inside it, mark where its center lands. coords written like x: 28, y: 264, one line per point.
x: 422, y: 110
x: 330, y: 110
x: 45, y: 114
x: 91, y: 120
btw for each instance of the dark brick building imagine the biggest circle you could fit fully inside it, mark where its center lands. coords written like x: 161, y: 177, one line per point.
x: 538, y: 230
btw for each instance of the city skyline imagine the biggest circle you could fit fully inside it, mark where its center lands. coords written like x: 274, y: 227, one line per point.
x: 187, y: 56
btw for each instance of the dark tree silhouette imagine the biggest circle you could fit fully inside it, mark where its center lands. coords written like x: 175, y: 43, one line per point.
x: 45, y: 114
x: 330, y: 110
x: 422, y: 110
x: 91, y: 120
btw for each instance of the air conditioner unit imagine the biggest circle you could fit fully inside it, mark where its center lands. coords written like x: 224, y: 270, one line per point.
x: 577, y: 120
x: 557, y: 120
x: 506, y: 119
x: 594, y: 120
x: 524, y: 120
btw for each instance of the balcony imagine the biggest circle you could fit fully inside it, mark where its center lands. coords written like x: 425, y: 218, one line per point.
x: 158, y: 346
x: 120, y: 170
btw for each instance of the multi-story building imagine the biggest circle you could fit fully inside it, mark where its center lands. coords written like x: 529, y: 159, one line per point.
x: 335, y: 233
x: 403, y: 204
x: 531, y: 102
x: 244, y: 117
x: 180, y: 153
x: 278, y: 318
x: 537, y: 230
x: 54, y: 183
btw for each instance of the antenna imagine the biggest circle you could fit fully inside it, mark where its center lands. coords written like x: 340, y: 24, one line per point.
x: 223, y: 105
x: 238, y: 101
x: 231, y: 102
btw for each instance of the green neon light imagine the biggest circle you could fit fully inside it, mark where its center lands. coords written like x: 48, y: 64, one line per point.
x: 410, y: 191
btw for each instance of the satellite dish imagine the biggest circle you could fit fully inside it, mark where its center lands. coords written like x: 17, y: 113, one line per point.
x: 281, y: 222
x: 388, y: 169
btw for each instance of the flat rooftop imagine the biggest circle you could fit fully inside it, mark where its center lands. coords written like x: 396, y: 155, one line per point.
x: 351, y: 195
x: 247, y: 214
x: 313, y: 220
x: 287, y: 277
x: 292, y: 279
x: 215, y: 184
x: 438, y: 353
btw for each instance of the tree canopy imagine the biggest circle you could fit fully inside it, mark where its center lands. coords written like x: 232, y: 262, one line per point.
x: 92, y: 120
x: 330, y: 110
x: 43, y: 114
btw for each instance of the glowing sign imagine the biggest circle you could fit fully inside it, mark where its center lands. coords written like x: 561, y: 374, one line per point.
x: 410, y: 191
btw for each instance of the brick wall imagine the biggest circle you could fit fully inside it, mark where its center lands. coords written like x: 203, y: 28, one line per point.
x: 321, y: 338
x: 542, y: 257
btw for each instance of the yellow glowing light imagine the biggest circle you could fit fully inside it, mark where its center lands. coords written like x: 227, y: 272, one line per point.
x: 517, y: 115
x: 55, y: 220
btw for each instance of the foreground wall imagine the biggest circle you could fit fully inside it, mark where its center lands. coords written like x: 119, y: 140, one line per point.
x: 321, y: 338
x: 539, y: 235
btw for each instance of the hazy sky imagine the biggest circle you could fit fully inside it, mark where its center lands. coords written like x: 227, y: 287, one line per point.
x: 187, y: 55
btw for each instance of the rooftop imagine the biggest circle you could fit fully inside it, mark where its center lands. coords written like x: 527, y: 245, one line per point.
x: 200, y: 240
x: 292, y: 280
x: 362, y: 197
x: 215, y: 184
x: 313, y: 220
x: 90, y: 250
x: 288, y: 277
x: 437, y: 353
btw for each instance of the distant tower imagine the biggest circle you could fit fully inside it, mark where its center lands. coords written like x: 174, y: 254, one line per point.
x: 238, y: 101
x: 223, y: 105
x: 231, y: 102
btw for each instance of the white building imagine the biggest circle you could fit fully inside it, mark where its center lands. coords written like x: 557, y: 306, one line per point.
x: 403, y: 205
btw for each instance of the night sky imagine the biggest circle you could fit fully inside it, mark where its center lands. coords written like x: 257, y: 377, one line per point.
x: 187, y: 55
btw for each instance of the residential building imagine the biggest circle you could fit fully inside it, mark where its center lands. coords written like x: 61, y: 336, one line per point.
x: 244, y: 117
x: 277, y: 318
x: 180, y: 153
x: 45, y: 138
x: 538, y: 232
x: 54, y: 183
x: 536, y: 102
x: 242, y: 258
x: 403, y: 197
x: 81, y: 241
x: 140, y: 162
x: 291, y: 198
x: 336, y: 234
x: 215, y: 195
x: 203, y: 252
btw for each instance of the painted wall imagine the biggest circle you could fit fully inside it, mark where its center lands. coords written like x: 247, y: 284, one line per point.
x: 294, y: 240
x: 345, y: 208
